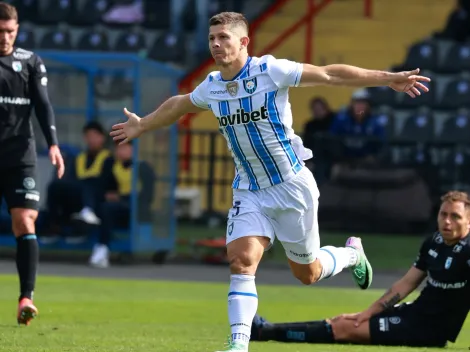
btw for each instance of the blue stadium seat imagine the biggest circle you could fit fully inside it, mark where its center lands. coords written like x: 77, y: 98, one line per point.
x: 456, y: 95
x: 93, y: 40
x: 56, y: 39
x: 157, y: 14
x: 168, y: 47
x: 130, y: 42
x: 418, y: 126
x: 57, y: 11
x: 456, y: 129
x: 26, y: 38
x: 457, y: 58
x: 423, y: 55
x: 382, y: 96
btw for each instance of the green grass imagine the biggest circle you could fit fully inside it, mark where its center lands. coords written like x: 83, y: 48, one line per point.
x: 385, y: 252
x: 110, y: 316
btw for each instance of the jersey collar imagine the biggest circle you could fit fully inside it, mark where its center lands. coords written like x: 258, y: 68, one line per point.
x: 247, y: 63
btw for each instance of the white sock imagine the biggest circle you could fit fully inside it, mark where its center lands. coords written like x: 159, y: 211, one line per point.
x: 242, y: 306
x: 335, y: 259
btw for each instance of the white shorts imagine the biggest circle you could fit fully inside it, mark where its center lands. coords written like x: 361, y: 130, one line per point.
x: 287, y: 211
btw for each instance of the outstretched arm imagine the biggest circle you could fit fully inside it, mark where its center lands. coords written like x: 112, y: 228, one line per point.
x: 346, y: 75
x: 167, y: 114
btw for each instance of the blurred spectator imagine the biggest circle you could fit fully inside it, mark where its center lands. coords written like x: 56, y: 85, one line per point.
x: 458, y: 23
x: 313, y: 138
x: 321, y: 118
x: 361, y: 134
x: 77, y: 195
x: 115, y: 211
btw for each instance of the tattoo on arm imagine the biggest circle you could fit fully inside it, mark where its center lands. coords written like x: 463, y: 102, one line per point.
x: 391, y: 302
x: 386, y: 293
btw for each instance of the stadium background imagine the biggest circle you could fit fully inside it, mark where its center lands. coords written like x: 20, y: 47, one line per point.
x: 104, y: 55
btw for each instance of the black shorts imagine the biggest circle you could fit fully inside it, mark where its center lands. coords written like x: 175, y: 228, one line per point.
x: 399, y: 327
x: 18, y: 186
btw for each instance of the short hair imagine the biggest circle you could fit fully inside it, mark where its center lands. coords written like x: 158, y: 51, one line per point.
x: 229, y: 18
x: 457, y: 196
x: 95, y: 126
x: 8, y: 12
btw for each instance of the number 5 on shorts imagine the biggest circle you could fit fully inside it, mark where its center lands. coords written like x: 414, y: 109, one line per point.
x: 236, y: 207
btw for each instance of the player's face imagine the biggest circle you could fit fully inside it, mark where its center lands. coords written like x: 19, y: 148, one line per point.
x: 225, y: 44
x: 453, y: 221
x: 8, y: 32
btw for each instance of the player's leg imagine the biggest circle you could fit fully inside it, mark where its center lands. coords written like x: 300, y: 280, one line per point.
x: 336, y: 330
x: 22, y: 198
x: 249, y: 234
x: 298, y: 232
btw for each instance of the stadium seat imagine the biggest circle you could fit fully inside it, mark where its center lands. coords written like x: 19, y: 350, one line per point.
x: 56, y: 39
x: 25, y: 39
x: 423, y: 55
x: 93, y: 40
x: 130, y: 42
x: 91, y: 12
x: 457, y: 58
x: 157, y: 14
x: 455, y: 169
x: 27, y: 10
x: 387, y: 120
x: 382, y: 96
x: 168, y: 47
x: 456, y: 129
x: 57, y: 11
x: 456, y: 95
x: 418, y: 126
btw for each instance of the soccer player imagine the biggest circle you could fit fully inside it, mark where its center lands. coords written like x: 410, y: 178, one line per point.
x: 24, y: 86
x: 434, y: 318
x: 274, y: 193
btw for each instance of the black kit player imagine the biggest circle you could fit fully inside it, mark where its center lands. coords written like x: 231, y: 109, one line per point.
x: 431, y: 320
x: 23, y: 85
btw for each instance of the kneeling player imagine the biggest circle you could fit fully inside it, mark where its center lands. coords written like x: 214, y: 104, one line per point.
x: 434, y: 318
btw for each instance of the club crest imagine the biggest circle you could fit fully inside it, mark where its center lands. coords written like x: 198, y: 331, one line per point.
x: 232, y: 88
x: 17, y: 66
x: 448, y: 263
x: 250, y: 85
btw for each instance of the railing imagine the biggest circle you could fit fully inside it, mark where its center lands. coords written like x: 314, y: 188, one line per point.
x: 314, y: 7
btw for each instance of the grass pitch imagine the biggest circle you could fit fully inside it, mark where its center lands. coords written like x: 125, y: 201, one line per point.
x: 81, y: 314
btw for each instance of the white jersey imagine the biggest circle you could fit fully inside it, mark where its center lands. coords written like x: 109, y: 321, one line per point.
x: 255, y: 117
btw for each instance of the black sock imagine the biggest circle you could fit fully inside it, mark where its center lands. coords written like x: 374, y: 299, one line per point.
x: 27, y: 257
x: 312, y: 332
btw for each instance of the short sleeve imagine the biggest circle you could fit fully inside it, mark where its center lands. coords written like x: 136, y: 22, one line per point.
x: 420, y: 262
x: 199, y: 95
x: 284, y: 73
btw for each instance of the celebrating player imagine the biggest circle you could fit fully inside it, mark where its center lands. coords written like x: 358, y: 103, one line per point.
x: 24, y: 85
x: 274, y: 193
x: 434, y: 318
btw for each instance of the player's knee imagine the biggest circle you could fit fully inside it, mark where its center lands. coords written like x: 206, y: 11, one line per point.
x: 344, y: 330
x: 23, y: 221
x: 242, y: 262
x: 244, y: 254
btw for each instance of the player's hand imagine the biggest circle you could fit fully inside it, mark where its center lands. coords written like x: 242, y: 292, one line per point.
x: 127, y: 131
x: 409, y: 82
x: 359, y: 318
x: 57, y: 160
